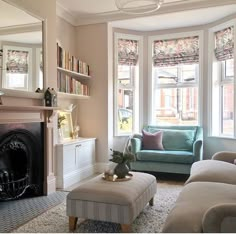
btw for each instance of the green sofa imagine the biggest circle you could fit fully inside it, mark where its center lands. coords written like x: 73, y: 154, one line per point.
x: 182, y: 147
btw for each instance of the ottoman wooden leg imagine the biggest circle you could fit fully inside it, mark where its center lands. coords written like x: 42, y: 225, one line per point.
x: 72, y: 223
x: 126, y: 228
x: 151, y: 202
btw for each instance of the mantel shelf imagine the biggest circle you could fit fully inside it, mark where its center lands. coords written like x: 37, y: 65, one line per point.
x: 74, y: 74
x: 27, y: 108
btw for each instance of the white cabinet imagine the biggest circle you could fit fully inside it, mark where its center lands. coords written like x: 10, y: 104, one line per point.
x: 75, y: 160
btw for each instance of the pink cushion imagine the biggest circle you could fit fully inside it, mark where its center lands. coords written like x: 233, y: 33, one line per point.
x: 235, y: 161
x: 152, y: 141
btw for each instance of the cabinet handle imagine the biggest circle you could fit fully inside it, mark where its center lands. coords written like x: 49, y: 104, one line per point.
x: 78, y: 145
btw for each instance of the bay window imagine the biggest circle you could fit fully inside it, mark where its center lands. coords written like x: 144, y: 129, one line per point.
x: 127, y: 70
x: 223, y: 110
x: 175, y: 81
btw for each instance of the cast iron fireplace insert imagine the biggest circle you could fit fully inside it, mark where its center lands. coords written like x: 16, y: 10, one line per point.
x: 21, y: 160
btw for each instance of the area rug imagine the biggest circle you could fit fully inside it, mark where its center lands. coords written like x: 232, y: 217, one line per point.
x: 150, y: 220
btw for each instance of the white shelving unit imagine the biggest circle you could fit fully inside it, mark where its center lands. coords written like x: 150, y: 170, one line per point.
x: 75, y: 161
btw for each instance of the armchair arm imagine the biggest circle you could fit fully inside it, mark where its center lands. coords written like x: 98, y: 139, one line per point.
x: 198, y: 145
x: 220, y: 218
x: 225, y: 156
x: 136, y: 144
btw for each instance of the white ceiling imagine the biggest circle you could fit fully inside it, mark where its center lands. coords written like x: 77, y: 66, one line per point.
x: 172, y: 14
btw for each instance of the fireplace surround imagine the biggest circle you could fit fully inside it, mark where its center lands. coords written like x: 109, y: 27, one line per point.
x: 20, y: 115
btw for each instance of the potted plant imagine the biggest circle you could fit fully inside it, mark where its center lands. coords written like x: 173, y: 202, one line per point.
x: 122, y: 159
x: 60, y: 120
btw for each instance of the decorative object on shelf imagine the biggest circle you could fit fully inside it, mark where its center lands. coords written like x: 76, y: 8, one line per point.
x: 50, y: 97
x: 75, y: 133
x: 38, y: 90
x: 1, y: 93
x: 60, y: 121
x: 138, y: 6
x: 121, y: 169
x: 66, y: 124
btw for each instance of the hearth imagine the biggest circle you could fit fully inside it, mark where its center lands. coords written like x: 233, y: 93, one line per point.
x: 21, y: 160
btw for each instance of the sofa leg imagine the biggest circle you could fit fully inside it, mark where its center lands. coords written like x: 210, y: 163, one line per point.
x: 72, y: 223
x: 151, y: 202
x: 126, y: 228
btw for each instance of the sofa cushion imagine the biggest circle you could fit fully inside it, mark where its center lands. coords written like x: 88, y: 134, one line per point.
x: 213, y: 171
x: 176, y: 139
x: 165, y: 156
x: 152, y: 141
x: 194, y: 200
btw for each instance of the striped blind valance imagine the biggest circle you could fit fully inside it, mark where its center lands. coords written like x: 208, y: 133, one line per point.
x: 127, y: 52
x: 17, y: 61
x: 176, y: 51
x: 224, y: 44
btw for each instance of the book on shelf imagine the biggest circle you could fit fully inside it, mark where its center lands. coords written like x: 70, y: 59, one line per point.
x: 68, y: 84
x: 67, y: 61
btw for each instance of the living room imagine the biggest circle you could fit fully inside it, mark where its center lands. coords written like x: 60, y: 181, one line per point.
x: 89, y: 32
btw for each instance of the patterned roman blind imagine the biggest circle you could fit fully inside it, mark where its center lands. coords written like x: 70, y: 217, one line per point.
x: 176, y: 51
x: 127, y: 52
x: 17, y: 61
x: 224, y: 44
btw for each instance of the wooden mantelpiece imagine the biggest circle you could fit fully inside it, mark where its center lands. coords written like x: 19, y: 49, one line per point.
x: 26, y: 114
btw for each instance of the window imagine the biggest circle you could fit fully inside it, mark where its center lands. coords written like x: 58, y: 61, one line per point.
x: 223, y: 84
x: 175, y: 81
x: 127, y: 70
x: 39, y: 68
x: 16, y: 68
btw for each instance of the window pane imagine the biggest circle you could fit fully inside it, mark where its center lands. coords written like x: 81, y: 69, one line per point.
x: 228, y: 110
x: 124, y: 74
x: 176, y: 106
x: 125, y: 111
x: 229, y: 68
x: 188, y: 73
x: 166, y: 75
x: 16, y: 81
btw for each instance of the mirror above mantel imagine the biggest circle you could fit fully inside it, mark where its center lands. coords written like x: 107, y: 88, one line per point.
x: 21, y: 52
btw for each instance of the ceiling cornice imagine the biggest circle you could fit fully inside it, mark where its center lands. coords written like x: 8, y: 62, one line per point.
x: 76, y: 20
x: 65, y: 14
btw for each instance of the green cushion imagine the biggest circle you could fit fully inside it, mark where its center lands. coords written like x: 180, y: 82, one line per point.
x: 165, y: 156
x: 135, y: 145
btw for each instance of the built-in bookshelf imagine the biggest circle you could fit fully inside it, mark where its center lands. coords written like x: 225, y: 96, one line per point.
x: 72, y: 75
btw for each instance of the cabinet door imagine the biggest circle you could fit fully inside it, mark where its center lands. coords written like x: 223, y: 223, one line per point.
x: 85, y: 154
x: 69, y: 158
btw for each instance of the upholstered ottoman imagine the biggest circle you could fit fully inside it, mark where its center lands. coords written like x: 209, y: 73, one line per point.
x: 118, y: 202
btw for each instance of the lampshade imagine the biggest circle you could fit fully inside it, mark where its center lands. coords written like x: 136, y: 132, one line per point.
x: 138, y: 6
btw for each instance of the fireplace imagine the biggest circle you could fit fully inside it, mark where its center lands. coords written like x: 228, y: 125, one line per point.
x: 21, y: 160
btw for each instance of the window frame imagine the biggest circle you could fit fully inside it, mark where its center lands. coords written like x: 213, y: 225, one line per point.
x: 152, y: 85
x: 135, y: 85
x: 215, y: 69
x: 28, y: 84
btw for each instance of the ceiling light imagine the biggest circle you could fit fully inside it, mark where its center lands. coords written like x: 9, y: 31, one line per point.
x: 138, y: 6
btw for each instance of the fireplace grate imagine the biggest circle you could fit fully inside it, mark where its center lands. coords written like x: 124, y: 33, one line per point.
x: 11, y: 186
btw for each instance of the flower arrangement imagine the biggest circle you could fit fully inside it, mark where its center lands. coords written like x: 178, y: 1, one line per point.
x: 121, y: 157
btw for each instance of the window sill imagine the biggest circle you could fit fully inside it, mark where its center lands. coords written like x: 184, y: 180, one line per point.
x: 222, y: 137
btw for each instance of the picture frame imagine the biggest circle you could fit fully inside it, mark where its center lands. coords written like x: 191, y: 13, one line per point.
x: 66, y: 125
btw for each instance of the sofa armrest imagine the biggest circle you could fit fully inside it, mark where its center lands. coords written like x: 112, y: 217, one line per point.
x: 197, y: 150
x: 220, y: 218
x: 136, y: 144
x: 225, y: 156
